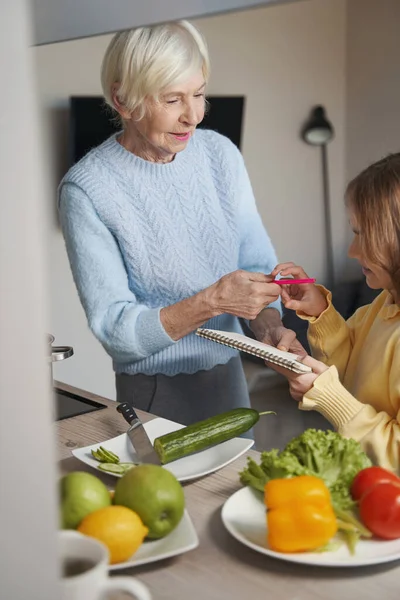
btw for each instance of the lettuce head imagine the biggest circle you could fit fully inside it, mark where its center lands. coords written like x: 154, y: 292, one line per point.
x: 325, y: 454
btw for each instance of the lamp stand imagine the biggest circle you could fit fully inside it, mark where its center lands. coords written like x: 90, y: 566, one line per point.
x: 327, y: 219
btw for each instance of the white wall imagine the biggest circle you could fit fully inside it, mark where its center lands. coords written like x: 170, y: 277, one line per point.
x: 285, y: 59
x: 373, y: 86
x: 28, y: 503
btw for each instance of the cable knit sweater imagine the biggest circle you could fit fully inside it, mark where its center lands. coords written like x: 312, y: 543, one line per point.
x: 142, y: 235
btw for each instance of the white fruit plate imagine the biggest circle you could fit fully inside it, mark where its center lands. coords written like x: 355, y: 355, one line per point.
x: 184, y: 469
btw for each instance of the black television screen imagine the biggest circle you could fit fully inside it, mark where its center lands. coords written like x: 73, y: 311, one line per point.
x: 91, y: 121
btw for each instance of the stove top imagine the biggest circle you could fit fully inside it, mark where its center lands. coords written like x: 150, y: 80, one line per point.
x: 71, y: 405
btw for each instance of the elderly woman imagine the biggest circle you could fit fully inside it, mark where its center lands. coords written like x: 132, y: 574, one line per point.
x: 163, y: 233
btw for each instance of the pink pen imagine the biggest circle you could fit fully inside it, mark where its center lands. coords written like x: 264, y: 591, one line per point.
x: 293, y: 281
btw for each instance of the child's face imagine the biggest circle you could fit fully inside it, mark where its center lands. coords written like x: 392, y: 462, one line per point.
x: 376, y: 277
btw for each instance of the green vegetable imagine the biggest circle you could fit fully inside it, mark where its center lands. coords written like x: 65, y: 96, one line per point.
x: 116, y: 468
x: 110, y: 462
x: 325, y: 454
x: 351, y: 538
x: 203, y: 434
x: 331, y: 546
x: 350, y: 529
x: 105, y: 456
x: 349, y: 519
x: 113, y: 457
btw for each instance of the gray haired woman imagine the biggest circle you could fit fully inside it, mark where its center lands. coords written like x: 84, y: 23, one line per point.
x: 163, y: 233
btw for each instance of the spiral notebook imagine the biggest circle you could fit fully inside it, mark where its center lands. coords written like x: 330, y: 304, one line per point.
x: 288, y: 360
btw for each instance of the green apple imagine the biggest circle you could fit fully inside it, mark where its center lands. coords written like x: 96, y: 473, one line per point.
x: 80, y: 494
x: 155, y: 495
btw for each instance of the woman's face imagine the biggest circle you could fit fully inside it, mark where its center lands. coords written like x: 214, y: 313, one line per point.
x: 376, y: 277
x: 169, y: 123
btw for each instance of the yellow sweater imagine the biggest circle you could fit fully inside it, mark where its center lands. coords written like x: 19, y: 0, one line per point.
x: 360, y: 392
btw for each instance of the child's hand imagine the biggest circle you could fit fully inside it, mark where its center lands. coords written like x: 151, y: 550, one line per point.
x: 305, y: 297
x: 300, y: 384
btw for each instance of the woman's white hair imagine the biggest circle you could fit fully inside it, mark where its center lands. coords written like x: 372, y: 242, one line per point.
x: 145, y: 61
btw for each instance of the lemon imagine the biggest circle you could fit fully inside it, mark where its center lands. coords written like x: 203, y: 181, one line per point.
x: 118, y: 527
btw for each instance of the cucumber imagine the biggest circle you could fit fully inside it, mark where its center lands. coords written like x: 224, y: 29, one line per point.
x: 108, y: 454
x: 105, y: 456
x: 116, y: 468
x: 203, y: 434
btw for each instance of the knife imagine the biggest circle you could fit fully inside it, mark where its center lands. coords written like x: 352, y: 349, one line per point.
x: 137, y: 435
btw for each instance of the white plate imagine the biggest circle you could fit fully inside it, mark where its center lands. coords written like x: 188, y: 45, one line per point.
x: 182, y: 539
x: 184, y: 469
x: 243, y: 515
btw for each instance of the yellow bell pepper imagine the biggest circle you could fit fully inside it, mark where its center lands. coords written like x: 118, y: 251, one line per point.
x: 300, y: 516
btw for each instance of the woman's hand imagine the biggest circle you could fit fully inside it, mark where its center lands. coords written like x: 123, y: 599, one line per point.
x: 284, y: 339
x: 305, y: 297
x: 300, y: 384
x: 242, y: 293
x: 269, y: 329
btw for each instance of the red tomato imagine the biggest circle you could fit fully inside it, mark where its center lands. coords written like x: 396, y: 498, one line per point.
x: 380, y: 510
x: 369, y: 477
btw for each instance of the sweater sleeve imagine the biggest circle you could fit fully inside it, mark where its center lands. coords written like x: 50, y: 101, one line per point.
x: 257, y: 253
x: 331, y: 338
x: 377, y: 432
x: 127, y: 329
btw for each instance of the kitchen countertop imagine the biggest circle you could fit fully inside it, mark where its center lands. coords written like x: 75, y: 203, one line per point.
x: 221, y: 568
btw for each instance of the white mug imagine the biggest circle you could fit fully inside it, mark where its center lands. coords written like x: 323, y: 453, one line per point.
x: 84, y: 576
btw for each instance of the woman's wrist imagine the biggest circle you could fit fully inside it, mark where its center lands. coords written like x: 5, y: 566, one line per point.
x: 267, y: 319
x: 209, y: 297
x: 185, y: 316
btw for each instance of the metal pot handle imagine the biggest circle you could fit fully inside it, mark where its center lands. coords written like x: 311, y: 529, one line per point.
x: 61, y: 352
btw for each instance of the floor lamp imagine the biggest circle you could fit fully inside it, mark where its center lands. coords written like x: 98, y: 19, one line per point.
x: 318, y: 131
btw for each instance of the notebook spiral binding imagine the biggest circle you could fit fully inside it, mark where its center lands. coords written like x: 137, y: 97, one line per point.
x: 265, y: 354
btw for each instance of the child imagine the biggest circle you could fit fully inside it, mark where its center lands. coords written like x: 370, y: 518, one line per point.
x: 355, y: 382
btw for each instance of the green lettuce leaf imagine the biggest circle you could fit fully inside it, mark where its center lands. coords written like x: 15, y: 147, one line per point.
x: 325, y: 454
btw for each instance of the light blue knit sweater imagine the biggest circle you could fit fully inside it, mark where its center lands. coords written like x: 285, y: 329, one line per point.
x: 143, y: 235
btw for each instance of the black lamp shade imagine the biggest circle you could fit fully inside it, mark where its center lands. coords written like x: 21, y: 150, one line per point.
x: 318, y: 130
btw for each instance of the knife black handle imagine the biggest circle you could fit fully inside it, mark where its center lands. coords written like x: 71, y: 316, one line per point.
x: 127, y: 411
